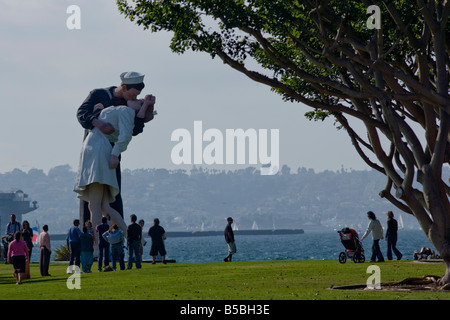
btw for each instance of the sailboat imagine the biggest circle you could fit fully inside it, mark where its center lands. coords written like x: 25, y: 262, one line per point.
x: 255, y: 226
x: 400, y: 223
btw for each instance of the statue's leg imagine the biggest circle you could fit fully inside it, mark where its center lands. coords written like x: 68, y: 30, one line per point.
x: 114, y: 215
x: 118, y: 204
x: 95, y: 195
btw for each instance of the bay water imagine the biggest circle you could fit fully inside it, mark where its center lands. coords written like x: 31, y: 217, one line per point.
x: 311, y: 245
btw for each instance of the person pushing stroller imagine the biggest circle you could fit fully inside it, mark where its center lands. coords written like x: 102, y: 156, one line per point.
x: 376, y: 229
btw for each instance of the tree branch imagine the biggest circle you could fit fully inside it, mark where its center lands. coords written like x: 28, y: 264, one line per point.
x: 356, y: 139
x: 386, y: 193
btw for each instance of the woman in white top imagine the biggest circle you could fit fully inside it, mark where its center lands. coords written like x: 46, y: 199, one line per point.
x: 96, y: 180
x: 376, y: 229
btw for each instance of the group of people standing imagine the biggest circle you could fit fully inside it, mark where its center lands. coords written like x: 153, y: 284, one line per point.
x: 18, y: 246
x: 107, y: 241
x: 376, y: 229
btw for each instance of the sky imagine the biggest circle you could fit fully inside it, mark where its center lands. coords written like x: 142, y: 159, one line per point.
x: 47, y: 70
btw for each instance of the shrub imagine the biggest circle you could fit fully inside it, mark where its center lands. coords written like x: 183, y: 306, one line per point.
x: 62, y: 253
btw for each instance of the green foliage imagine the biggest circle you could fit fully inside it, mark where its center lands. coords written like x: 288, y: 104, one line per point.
x: 316, y: 115
x: 287, y: 38
x: 62, y: 253
x: 268, y: 280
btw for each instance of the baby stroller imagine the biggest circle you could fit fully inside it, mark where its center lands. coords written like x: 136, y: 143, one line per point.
x: 354, y: 249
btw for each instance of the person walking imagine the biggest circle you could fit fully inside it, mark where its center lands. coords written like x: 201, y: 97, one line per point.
x: 158, y: 235
x: 377, y: 233
x: 73, y: 243
x: 44, y: 246
x: 134, y: 235
x: 115, y: 237
x: 17, y: 255
x: 103, y: 245
x: 391, y: 237
x: 229, y: 238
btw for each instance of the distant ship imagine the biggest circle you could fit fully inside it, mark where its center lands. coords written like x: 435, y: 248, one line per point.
x: 16, y: 203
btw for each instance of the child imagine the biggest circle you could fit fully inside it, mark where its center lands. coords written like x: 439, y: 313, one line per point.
x: 115, y: 238
x: 87, y: 250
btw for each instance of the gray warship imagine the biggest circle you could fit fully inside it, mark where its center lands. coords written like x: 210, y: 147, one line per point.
x: 16, y: 202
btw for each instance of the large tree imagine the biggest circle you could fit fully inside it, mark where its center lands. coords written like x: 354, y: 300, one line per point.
x: 387, y: 67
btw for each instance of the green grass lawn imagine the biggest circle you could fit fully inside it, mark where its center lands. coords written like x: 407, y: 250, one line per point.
x: 277, y: 280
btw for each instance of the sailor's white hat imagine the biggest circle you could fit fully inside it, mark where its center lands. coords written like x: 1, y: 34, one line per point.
x: 132, y: 77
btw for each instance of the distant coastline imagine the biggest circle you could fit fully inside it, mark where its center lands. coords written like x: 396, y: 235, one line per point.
x: 236, y: 232
x: 180, y: 234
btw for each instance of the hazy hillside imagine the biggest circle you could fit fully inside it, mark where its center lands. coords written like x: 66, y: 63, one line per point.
x: 203, y: 199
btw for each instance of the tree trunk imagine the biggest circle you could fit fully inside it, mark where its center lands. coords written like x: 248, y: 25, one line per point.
x: 445, y: 280
x: 439, y: 230
x: 441, y: 243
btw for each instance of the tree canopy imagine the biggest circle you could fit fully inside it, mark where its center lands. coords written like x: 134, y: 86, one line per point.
x: 387, y: 67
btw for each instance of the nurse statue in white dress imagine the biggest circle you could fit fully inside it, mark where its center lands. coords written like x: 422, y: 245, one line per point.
x: 96, y: 180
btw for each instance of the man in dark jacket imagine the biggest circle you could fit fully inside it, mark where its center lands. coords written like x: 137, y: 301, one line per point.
x: 103, y: 245
x: 134, y: 236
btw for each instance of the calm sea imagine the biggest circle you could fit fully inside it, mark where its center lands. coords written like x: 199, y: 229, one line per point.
x: 317, y: 245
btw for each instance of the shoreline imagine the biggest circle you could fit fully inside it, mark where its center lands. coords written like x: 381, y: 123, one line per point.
x: 183, y: 234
